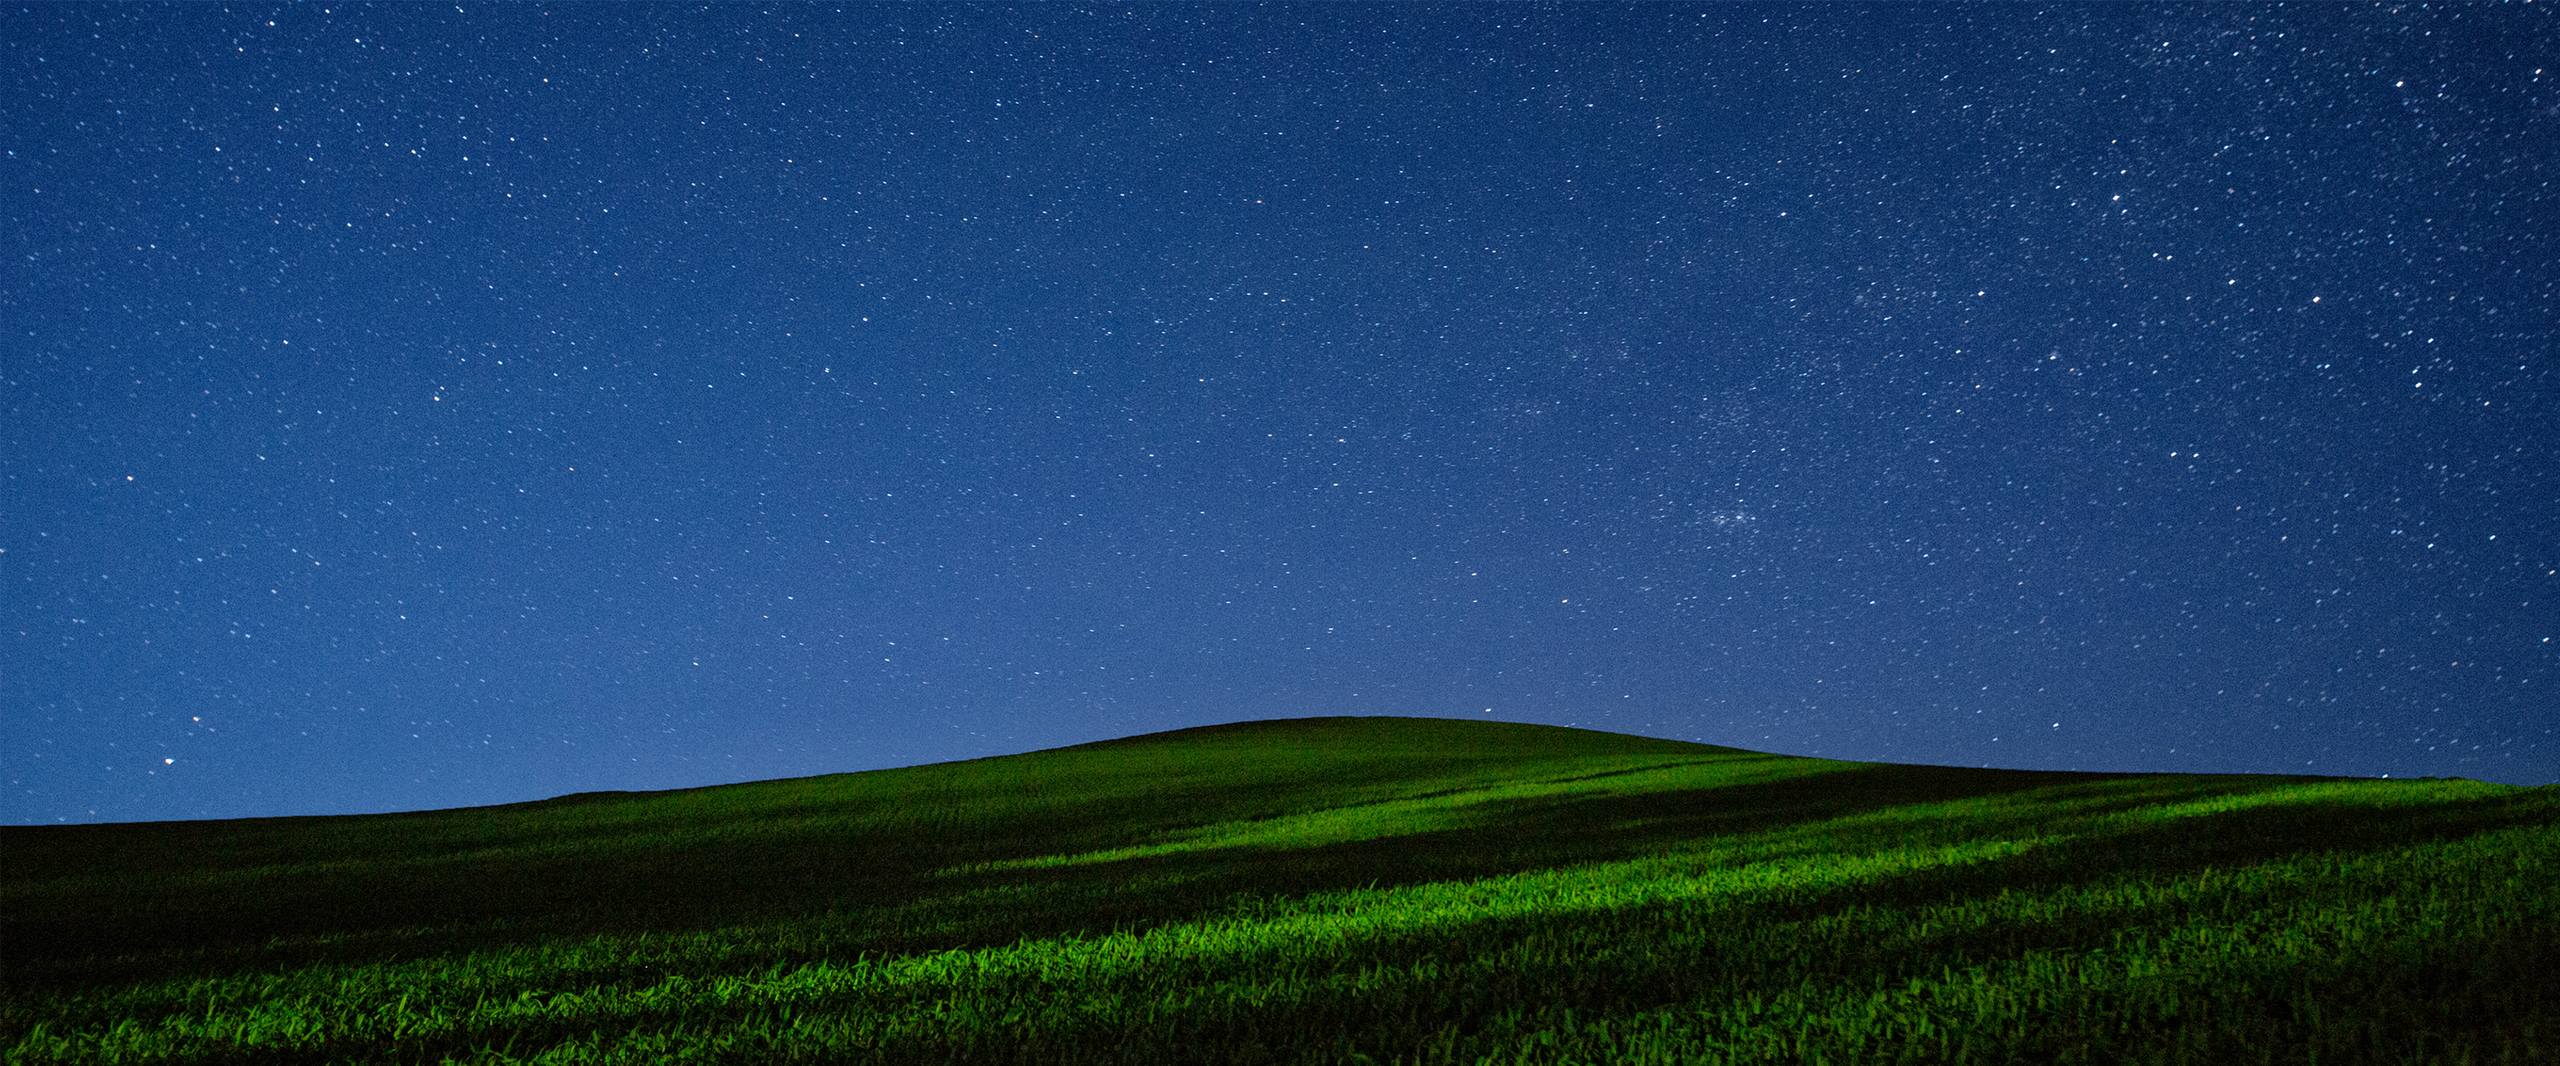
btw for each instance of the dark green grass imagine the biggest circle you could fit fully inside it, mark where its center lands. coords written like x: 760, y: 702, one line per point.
x: 1322, y: 890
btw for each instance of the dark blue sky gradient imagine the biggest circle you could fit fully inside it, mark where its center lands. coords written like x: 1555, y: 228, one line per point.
x: 418, y: 406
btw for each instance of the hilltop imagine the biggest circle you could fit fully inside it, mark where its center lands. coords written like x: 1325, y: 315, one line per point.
x: 1316, y: 890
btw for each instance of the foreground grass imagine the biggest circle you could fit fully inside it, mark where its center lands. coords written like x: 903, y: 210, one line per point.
x: 1324, y: 890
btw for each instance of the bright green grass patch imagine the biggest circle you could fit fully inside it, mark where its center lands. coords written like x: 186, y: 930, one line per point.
x: 1321, y: 891
x: 1437, y: 811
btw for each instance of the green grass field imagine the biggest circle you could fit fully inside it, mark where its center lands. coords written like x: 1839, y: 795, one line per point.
x: 1323, y: 890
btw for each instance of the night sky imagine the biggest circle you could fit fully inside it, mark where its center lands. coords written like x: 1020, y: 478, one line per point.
x: 422, y: 406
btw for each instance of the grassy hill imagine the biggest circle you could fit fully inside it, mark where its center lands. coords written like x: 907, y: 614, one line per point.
x: 1320, y: 890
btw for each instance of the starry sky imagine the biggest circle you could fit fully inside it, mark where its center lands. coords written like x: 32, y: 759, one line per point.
x: 419, y: 406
